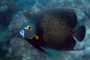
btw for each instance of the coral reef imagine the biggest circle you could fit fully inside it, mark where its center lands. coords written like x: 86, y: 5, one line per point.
x: 14, y: 47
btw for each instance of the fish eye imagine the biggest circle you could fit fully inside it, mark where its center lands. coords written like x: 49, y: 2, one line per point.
x: 29, y: 27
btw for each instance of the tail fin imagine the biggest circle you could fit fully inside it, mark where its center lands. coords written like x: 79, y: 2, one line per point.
x: 80, y: 33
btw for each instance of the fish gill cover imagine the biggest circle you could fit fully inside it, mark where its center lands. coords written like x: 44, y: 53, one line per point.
x: 12, y: 20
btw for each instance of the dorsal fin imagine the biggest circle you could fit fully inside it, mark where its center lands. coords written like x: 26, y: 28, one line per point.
x: 28, y: 14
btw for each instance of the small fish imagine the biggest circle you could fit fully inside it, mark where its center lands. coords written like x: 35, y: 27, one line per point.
x: 54, y: 28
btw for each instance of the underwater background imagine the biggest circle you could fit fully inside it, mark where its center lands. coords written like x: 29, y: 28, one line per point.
x: 12, y: 20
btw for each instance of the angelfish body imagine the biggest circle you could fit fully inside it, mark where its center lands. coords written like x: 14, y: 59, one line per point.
x: 53, y: 28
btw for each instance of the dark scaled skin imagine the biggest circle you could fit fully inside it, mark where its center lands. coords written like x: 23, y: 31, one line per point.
x: 57, y: 26
x: 55, y: 31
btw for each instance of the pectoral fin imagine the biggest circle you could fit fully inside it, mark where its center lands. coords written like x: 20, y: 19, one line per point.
x: 36, y: 46
x: 39, y: 48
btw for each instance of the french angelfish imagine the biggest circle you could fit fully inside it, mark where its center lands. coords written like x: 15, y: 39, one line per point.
x: 53, y: 28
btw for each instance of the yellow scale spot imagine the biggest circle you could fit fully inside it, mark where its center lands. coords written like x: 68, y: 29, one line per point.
x: 36, y: 37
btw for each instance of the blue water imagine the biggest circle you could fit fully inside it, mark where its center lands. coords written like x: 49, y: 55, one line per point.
x: 12, y: 20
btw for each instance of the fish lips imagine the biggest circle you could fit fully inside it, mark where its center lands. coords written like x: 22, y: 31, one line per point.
x: 22, y: 33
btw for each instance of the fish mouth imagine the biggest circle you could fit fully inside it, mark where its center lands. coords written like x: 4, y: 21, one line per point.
x: 22, y: 33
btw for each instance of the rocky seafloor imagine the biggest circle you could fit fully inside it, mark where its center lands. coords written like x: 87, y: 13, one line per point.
x: 12, y: 20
